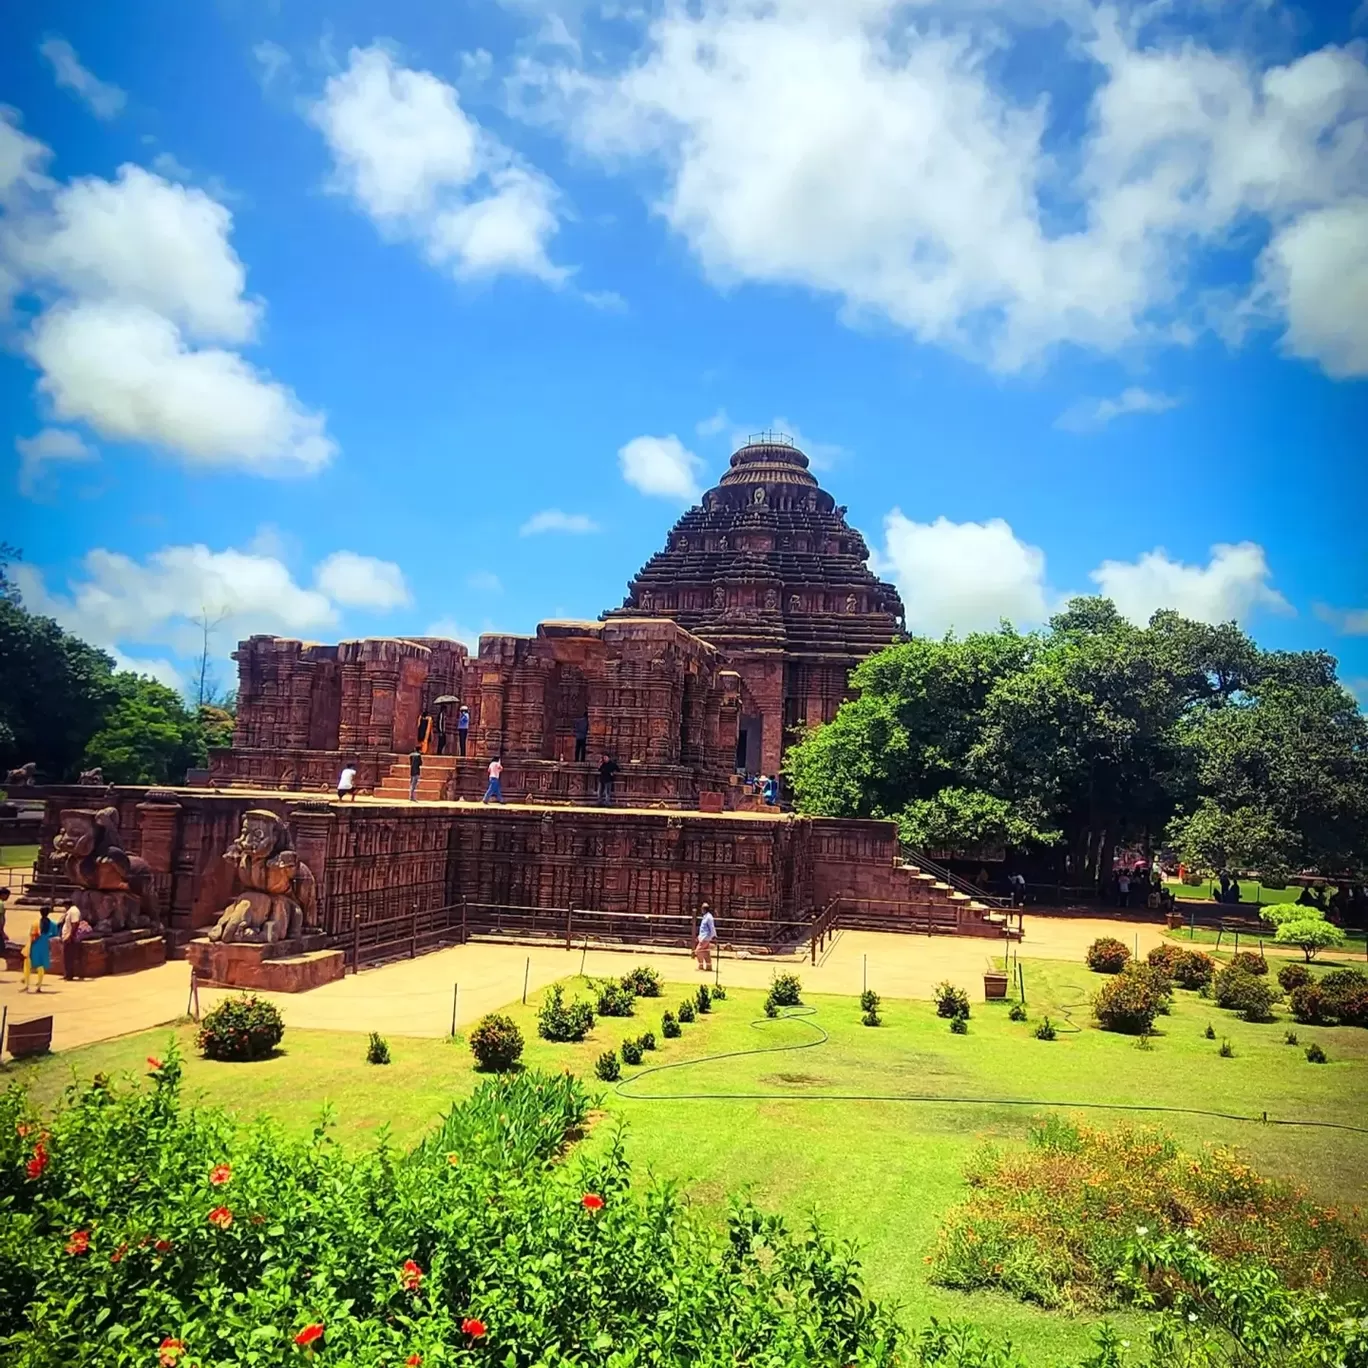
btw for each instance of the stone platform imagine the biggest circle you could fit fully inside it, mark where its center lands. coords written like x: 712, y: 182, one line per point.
x: 124, y: 952
x: 289, y: 966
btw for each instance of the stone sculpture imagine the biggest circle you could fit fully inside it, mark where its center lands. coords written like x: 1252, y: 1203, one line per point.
x: 850, y: 603
x: 113, y: 888
x: 771, y: 600
x: 92, y: 776
x: 23, y: 776
x: 278, y: 896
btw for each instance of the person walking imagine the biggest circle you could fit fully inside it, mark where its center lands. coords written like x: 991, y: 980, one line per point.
x: 707, y: 934
x: 1123, y: 889
x: 581, y: 730
x: 38, y: 950
x: 607, y: 776
x: 415, y: 769
x: 346, y: 782
x: 462, y: 727
x: 495, y: 789
x: 71, y: 943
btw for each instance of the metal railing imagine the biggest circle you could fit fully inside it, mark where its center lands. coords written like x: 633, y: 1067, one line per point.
x: 913, y: 856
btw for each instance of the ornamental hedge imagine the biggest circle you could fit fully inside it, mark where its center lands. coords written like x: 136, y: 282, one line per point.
x: 244, y: 1027
x: 1107, y: 955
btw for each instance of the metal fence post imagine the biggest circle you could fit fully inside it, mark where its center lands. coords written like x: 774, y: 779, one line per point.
x: 356, y: 942
x: 465, y: 935
x: 413, y: 932
x: 569, y: 923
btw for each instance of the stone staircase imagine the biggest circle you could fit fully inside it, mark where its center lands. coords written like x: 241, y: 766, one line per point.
x: 910, y: 899
x: 432, y: 782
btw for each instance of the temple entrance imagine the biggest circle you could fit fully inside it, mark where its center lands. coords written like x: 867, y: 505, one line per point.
x: 749, y: 737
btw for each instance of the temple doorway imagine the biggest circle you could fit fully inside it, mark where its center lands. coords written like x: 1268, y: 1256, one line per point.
x: 749, y: 737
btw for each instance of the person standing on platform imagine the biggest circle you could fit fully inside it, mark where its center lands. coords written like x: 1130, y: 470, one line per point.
x: 607, y: 776
x: 71, y: 943
x: 346, y: 782
x: 38, y: 950
x: 441, y: 731
x: 415, y: 769
x: 495, y: 789
x: 462, y: 727
x: 707, y: 934
x: 581, y: 738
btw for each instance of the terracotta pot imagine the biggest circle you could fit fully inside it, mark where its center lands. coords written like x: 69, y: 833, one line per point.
x: 994, y: 986
x: 1176, y: 921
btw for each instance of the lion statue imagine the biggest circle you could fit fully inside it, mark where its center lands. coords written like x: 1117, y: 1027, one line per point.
x: 23, y: 776
x: 92, y: 776
x: 113, y: 888
x: 279, y: 897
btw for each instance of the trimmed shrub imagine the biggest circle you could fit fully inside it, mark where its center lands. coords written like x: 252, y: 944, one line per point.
x: 950, y: 1001
x: 246, y: 1027
x: 1227, y: 1050
x: 686, y: 1011
x: 496, y: 1043
x: 1193, y: 969
x: 1289, y: 1037
x: 1251, y: 997
x: 646, y: 1040
x: 1345, y: 995
x: 771, y: 1007
x: 959, y: 1025
x: 614, y: 999
x: 377, y: 1052
x: 607, y: 1068
x: 719, y: 993
x: 1128, y: 1003
x: 1156, y: 980
x: 1292, y: 976
x: 871, y: 1018
x: 1165, y: 956
x: 1316, y: 1055
x: 669, y: 1027
x: 556, y: 1021
x: 1249, y: 962
x: 786, y: 990
x: 1308, y: 1004
x: 631, y: 1052
x: 1046, y: 1030
x: 1107, y: 955
x: 703, y: 998
x: 1018, y: 1012
x: 869, y: 1001
x: 643, y: 981
x: 1210, y: 1031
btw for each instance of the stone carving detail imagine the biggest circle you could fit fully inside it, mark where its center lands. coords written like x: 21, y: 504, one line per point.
x: 646, y: 603
x: 759, y: 495
x: 722, y: 542
x: 771, y: 600
x: 850, y: 603
x: 719, y: 597
x: 113, y: 888
x: 795, y: 603
x: 278, y: 898
x: 92, y: 776
x: 23, y: 776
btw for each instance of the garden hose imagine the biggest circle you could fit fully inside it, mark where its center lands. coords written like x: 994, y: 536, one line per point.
x: 802, y: 1015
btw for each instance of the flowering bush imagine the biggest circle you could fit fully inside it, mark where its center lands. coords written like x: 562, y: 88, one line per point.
x: 1155, y: 979
x: 1292, y: 976
x: 950, y: 1001
x: 1126, y: 1003
x: 558, y: 1022
x: 647, y: 1040
x: 245, y: 1027
x: 643, y: 981
x: 1251, y: 997
x: 1249, y: 962
x: 482, y: 1244
x: 1165, y: 956
x: 1340, y: 996
x: 1193, y: 969
x: 1107, y: 955
x: 496, y: 1043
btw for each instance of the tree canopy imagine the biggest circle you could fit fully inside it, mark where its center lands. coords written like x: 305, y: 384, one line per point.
x: 1094, y: 732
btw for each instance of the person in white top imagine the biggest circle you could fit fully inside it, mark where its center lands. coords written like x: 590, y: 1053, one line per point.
x: 71, y: 944
x: 707, y: 934
x: 346, y: 783
x: 494, y: 791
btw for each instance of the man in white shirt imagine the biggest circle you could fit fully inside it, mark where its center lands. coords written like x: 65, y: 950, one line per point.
x: 707, y: 934
x: 346, y: 783
x: 494, y: 790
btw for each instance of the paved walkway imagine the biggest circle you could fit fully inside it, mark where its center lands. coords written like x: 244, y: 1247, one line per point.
x: 414, y: 997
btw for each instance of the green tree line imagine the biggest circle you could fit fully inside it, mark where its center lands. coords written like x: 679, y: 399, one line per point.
x: 1094, y: 732
x: 65, y: 707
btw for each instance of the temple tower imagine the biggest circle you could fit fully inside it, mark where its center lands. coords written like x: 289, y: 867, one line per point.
x: 766, y: 569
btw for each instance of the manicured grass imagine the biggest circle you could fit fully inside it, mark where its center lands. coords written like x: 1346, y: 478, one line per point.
x: 878, y: 1170
x: 1352, y: 952
x: 1251, y: 893
x: 18, y: 856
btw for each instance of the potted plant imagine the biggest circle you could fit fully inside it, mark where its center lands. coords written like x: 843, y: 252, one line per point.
x: 994, y: 984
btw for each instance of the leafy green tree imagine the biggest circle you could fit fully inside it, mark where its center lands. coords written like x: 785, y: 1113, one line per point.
x: 149, y: 736
x: 1214, y: 837
x: 1310, y: 934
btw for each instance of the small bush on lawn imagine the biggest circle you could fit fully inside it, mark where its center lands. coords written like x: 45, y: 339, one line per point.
x: 1052, y: 1223
x: 950, y: 1001
x: 1341, y: 996
x: 871, y: 1018
x: 959, y: 1025
x: 1289, y: 1037
x: 771, y: 1007
x: 1310, y: 937
x: 496, y: 1043
x: 686, y: 1011
x: 377, y: 1052
x: 614, y: 1000
x: 1107, y: 955
x: 246, y: 1027
x: 643, y: 981
x: 556, y: 1021
x: 1046, y: 1030
x: 1314, y: 1053
x: 1210, y: 1032
x: 1292, y: 976
x: 607, y: 1068
x: 786, y: 990
x: 719, y: 993
x: 1126, y: 1003
x: 1249, y: 962
x: 869, y: 1001
x: 669, y: 1027
x: 1018, y: 1012
x: 646, y: 1040
x: 1251, y: 997
x: 1193, y: 969
x: 631, y: 1052
x: 1308, y: 1004
x: 1227, y: 1050
x: 703, y: 998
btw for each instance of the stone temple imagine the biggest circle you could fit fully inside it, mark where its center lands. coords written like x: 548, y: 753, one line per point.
x: 739, y: 633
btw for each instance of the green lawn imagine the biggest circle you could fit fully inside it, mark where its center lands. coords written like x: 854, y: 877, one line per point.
x: 1251, y: 893
x: 18, y: 856
x: 1351, y: 953
x: 879, y: 1170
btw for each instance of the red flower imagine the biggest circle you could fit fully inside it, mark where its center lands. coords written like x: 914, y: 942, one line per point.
x: 472, y: 1327
x: 413, y: 1361
x: 591, y: 1201
x: 221, y: 1217
x: 162, y: 1246
x: 220, y: 1174
x: 79, y: 1242
x: 309, y: 1334
x: 153, y: 1063
x: 169, y: 1351
x: 21, y: 1130
x: 118, y: 1254
x: 410, y: 1275
x: 35, y: 1166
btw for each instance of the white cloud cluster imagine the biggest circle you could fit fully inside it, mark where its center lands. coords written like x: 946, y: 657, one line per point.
x: 661, y: 466
x: 1347, y: 621
x: 1090, y: 415
x: 103, y: 100
x: 117, y: 602
x: 875, y: 150
x: 48, y: 447
x: 554, y: 520
x: 968, y: 576
x: 422, y: 168
x: 145, y: 307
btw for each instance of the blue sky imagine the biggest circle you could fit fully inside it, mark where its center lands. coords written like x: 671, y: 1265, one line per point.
x: 360, y: 319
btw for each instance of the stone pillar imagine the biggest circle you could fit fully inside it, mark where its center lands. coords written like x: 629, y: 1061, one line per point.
x: 299, y: 706
x: 384, y: 684
x: 354, y: 712
x: 311, y: 831
x: 489, y: 726
x: 158, y: 838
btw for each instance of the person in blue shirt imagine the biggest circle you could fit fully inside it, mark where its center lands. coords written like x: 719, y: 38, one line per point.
x: 463, y: 727
x: 39, y: 949
x: 707, y: 934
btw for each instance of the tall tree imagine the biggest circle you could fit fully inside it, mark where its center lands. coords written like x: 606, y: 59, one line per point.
x: 149, y: 736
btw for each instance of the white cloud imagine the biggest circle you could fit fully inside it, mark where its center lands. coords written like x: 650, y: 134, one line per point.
x: 1234, y: 584
x: 964, y: 577
x: 553, y: 520
x: 1316, y: 269
x: 271, y: 62
x: 50, y: 446
x: 874, y: 151
x: 484, y: 582
x: 1090, y: 415
x: 662, y: 466
x: 361, y: 581
x: 422, y: 168
x: 451, y: 630
x: 1347, y: 621
x: 105, y: 101
x: 714, y: 426
x: 22, y: 158
x: 158, y: 667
